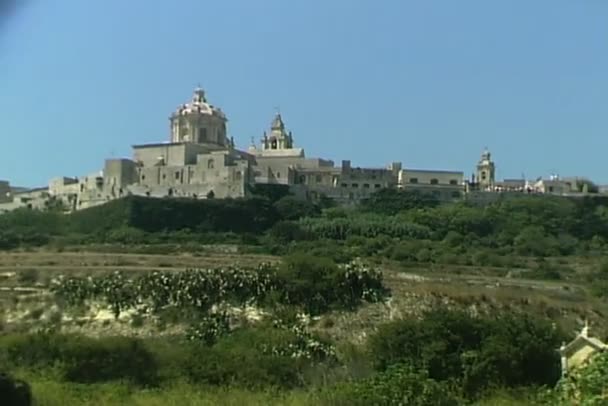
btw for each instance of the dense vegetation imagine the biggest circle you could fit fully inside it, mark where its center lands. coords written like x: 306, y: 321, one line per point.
x: 445, y: 357
x: 529, y: 225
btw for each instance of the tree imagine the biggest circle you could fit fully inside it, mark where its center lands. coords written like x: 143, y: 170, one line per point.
x: 292, y: 208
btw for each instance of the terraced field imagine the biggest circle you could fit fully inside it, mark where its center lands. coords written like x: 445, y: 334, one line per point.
x: 25, y: 301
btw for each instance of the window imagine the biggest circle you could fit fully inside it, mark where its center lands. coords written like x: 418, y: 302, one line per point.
x: 483, y: 175
x: 377, y: 186
x: 258, y: 173
x: 436, y: 194
x: 434, y: 181
x: 355, y: 185
x: 177, y: 175
x: 550, y: 189
x: 143, y: 177
x: 278, y: 174
x: 453, y: 182
x: 238, y: 175
x: 413, y: 180
x: 210, y: 164
x: 366, y: 186
x: 318, y: 179
x: 456, y: 195
x: 303, y: 179
x: 202, y: 134
x: 344, y: 185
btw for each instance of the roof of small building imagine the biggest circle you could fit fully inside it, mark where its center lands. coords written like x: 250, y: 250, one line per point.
x: 583, y: 338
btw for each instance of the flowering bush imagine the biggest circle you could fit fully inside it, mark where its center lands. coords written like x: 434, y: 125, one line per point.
x: 316, y: 285
x: 210, y: 328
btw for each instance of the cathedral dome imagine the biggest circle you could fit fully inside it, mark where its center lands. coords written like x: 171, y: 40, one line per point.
x: 199, y: 105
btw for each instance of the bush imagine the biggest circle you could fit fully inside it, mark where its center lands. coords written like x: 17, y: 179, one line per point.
x: 83, y: 359
x: 504, y: 350
x: 318, y: 284
x: 14, y: 392
x: 247, y: 358
x: 398, y: 385
x: 286, y: 231
x: 587, y: 386
x: 292, y: 208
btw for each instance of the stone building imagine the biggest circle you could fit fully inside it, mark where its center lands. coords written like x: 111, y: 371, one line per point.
x: 580, y: 351
x: 5, y: 191
x: 200, y: 161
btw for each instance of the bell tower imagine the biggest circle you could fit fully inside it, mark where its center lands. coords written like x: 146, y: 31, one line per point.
x: 279, y: 138
x: 486, y: 171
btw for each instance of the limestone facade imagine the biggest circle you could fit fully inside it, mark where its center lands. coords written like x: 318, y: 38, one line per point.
x: 580, y: 351
x: 200, y: 161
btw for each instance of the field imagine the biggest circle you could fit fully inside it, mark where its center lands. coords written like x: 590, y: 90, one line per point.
x: 26, y: 302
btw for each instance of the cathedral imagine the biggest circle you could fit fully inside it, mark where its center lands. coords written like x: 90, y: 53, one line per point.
x: 200, y: 161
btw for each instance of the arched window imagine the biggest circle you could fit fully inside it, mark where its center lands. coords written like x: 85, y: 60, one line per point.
x: 210, y: 164
x: 434, y: 181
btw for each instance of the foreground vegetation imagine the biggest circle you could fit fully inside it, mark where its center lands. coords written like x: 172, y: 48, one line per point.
x: 333, y: 262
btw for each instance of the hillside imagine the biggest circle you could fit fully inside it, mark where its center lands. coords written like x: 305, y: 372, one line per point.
x: 333, y: 283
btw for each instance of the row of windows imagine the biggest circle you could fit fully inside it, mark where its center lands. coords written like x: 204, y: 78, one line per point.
x: 365, y: 185
x: 434, y: 181
x: 178, y: 176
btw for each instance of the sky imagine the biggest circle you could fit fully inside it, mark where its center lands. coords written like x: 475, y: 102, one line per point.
x: 429, y: 83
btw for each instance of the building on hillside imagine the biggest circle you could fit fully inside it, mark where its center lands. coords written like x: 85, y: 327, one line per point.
x: 38, y: 199
x: 199, y: 160
x: 580, y: 351
x: 443, y: 185
x: 5, y: 191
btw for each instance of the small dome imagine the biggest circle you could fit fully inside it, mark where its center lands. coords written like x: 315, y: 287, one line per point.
x: 199, y: 105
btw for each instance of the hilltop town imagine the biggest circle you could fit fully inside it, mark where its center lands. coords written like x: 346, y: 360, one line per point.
x: 200, y: 161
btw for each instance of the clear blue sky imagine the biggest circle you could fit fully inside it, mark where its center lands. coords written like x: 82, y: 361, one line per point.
x: 425, y: 82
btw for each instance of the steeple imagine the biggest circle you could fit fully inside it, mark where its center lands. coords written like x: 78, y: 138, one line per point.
x: 277, y: 123
x: 279, y: 138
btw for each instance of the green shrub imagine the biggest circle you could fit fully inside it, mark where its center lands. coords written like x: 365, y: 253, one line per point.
x: 398, y: 385
x: 291, y: 208
x: 14, y: 392
x: 587, y: 386
x: 318, y: 284
x: 250, y: 358
x: 83, y: 359
x: 503, y: 350
x: 286, y: 231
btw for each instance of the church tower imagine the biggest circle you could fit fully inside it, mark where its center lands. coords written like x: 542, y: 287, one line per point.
x: 199, y: 122
x: 485, y: 171
x: 279, y: 138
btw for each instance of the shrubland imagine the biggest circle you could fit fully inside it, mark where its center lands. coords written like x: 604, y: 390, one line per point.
x: 331, y: 263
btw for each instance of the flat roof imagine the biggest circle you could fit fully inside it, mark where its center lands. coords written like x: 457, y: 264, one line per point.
x: 433, y: 171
